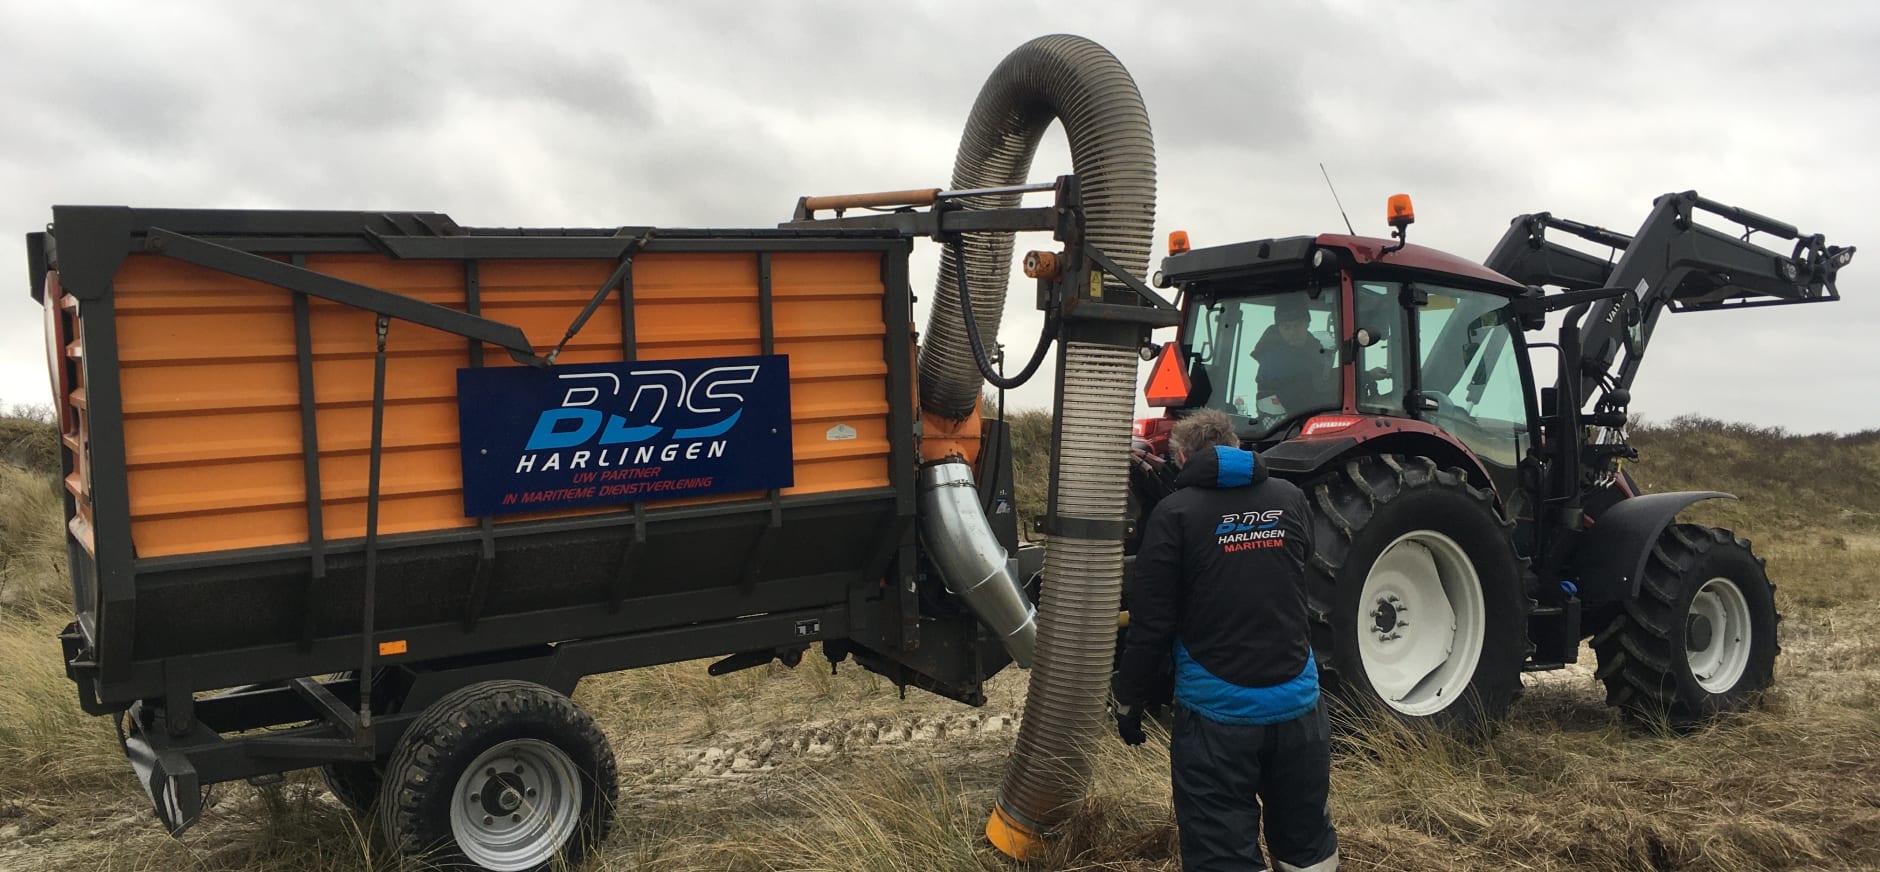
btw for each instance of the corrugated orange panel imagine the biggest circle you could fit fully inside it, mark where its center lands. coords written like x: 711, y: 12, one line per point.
x: 212, y: 403
x: 828, y: 319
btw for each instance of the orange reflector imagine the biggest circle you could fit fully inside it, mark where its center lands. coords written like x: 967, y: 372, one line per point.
x: 1041, y: 265
x: 1399, y: 211
x: 1327, y: 424
x: 1177, y: 241
x: 1168, y: 381
x: 395, y: 647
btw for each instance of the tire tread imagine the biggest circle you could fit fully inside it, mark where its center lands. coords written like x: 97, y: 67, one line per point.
x: 413, y: 770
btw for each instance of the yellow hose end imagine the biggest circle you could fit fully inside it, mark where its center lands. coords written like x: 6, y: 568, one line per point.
x: 1013, y: 839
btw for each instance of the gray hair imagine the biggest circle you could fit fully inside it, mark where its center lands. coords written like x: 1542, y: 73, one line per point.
x: 1202, y: 430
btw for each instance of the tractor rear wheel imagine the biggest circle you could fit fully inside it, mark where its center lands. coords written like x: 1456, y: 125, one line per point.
x: 1415, y: 592
x: 1699, y: 640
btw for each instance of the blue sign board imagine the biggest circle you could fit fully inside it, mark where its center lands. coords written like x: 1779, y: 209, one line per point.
x: 595, y: 434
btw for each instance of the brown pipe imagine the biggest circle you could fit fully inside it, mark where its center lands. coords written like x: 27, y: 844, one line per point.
x: 878, y: 199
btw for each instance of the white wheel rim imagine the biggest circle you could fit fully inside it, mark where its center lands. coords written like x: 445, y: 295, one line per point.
x: 516, y: 805
x: 1421, y: 620
x: 1717, y: 635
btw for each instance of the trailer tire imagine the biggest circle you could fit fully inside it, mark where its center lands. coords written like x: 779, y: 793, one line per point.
x: 492, y: 749
x: 1702, y: 587
x: 355, y: 784
x: 1399, y: 541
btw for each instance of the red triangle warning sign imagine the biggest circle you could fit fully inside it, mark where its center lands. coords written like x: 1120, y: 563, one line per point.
x: 1168, y: 380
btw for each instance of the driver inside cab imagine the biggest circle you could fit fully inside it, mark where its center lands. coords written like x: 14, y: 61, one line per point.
x: 1296, y: 371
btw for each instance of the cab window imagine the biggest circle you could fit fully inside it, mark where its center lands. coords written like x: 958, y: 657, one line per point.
x: 1470, y: 372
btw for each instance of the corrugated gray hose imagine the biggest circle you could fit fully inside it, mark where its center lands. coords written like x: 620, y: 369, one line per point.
x: 1077, y: 82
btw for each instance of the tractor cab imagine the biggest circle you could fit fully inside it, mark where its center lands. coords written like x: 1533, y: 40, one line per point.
x: 1315, y: 344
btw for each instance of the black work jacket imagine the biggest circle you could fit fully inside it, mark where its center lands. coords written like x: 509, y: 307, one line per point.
x: 1222, y: 569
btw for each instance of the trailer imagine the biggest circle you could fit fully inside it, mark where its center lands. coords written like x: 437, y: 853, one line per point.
x: 372, y: 492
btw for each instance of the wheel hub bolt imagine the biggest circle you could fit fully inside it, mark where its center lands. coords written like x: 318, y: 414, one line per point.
x: 1384, y: 616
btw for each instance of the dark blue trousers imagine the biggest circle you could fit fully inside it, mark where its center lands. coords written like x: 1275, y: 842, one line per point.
x: 1231, y: 778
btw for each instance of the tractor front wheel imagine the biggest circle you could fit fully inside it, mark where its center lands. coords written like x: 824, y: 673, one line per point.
x: 1699, y: 639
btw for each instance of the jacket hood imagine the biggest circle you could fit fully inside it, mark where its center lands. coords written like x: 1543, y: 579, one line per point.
x: 1222, y: 467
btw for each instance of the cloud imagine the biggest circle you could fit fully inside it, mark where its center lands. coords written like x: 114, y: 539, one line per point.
x: 721, y: 114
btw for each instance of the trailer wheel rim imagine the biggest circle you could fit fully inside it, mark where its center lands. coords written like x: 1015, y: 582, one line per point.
x: 1718, y: 635
x: 516, y: 805
x: 1421, y: 620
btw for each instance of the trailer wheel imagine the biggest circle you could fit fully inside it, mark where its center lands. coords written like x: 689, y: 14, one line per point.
x: 354, y: 783
x: 1415, y: 592
x: 1699, y: 640
x: 501, y: 775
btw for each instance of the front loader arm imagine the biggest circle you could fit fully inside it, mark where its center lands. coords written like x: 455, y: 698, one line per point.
x: 1672, y: 262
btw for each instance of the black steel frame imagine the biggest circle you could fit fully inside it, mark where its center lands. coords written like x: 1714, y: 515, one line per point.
x: 179, y: 742
x: 174, y: 734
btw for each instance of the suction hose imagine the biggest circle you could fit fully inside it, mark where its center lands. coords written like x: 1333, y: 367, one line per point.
x: 1078, y: 82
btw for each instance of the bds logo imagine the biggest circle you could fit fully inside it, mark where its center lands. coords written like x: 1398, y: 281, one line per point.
x: 709, y: 403
x: 590, y: 434
x: 1243, y: 522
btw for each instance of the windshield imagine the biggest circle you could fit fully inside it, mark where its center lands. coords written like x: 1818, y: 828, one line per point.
x: 1266, y: 359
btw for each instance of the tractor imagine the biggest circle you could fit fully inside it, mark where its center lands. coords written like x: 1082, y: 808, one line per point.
x: 1470, y: 522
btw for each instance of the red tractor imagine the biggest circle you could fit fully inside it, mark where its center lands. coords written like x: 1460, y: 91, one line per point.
x: 1471, y: 523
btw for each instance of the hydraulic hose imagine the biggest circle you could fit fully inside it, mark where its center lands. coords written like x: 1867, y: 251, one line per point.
x: 1002, y: 382
x: 1075, y: 81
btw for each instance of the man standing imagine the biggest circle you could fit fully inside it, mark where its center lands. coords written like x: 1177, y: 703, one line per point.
x: 1219, y: 588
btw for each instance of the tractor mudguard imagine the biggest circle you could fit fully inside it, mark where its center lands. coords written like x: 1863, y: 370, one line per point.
x: 1305, y: 456
x: 1611, y: 557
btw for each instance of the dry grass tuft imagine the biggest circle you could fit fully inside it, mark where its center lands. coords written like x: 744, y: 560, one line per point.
x: 850, y: 777
x: 32, y: 544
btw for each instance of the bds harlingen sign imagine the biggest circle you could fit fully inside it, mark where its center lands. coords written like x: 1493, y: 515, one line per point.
x: 596, y: 434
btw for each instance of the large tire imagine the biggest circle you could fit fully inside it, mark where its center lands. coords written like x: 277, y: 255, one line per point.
x: 496, y: 749
x: 1699, y: 640
x: 355, y: 783
x: 1399, y: 545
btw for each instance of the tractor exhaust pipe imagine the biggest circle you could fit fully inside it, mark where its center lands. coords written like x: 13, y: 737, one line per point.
x: 1075, y: 81
x: 976, y: 569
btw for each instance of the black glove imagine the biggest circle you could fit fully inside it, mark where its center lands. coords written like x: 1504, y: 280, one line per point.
x: 1129, y: 724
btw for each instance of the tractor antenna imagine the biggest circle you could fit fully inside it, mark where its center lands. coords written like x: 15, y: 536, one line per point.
x: 1341, y: 206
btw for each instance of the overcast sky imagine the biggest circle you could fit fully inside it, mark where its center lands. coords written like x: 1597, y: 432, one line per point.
x: 722, y: 114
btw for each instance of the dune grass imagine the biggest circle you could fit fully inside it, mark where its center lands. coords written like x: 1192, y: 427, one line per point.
x: 839, y: 773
